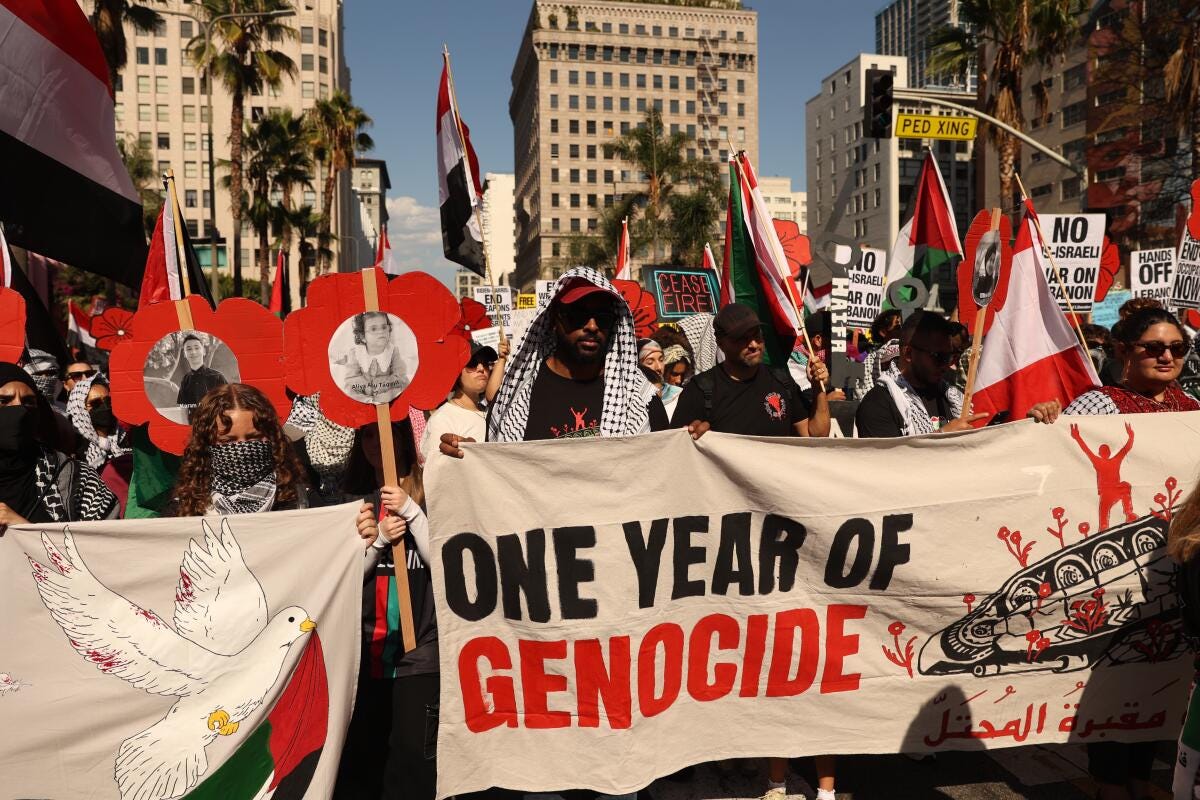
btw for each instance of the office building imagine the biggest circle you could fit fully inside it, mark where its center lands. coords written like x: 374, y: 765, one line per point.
x: 587, y: 72
x: 904, y: 27
x: 782, y: 202
x: 370, y: 183
x: 160, y: 102
x: 500, y: 225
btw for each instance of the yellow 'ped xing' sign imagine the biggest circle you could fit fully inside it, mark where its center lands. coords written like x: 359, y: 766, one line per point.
x: 932, y: 126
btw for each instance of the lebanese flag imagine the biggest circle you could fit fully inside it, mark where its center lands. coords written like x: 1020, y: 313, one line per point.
x: 79, y: 325
x: 930, y: 238
x: 458, y: 196
x: 276, y: 306
x: 62, y: 170
x: 710, y: 261
x: 755, y: 269
x: 624, y: 273
x: 384, y: 259
x: 162, y: 279
x: 1030, y: 353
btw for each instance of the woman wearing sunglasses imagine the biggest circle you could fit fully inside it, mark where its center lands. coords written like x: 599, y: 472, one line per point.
x: 1151, y: 347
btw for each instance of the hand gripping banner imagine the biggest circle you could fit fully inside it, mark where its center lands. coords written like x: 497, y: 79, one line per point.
x: 988, y: 589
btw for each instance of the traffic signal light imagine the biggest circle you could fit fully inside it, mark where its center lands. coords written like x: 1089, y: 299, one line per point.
x: 878, y: 106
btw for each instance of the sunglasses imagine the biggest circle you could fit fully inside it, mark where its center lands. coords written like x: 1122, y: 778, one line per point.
x: 477, y: 364
x: 99, y: 402
x: 79, y: 375
x: 1156, y: 349
x: 577, y: 317
x: 943, y: 357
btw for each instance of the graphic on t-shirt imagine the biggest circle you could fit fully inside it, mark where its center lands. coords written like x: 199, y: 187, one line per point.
x: 775, y: 406
x: 579, y: 427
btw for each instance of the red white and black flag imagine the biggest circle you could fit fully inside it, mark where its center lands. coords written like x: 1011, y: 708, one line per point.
x: 164, y: 277
x: 458, y: 192
x: 66, y: 194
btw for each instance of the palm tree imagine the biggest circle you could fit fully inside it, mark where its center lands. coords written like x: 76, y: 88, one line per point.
x: 336, y: 135
x: 308, y: 225
x: 1181, y: 79
x: 293, y: 166
x: 694, y: 216
x: 258, y: 147
x: 599, y: 250
x: 243, y: 60
x: 139, y: 163
x: 661, y: 158
x: 1001, y: 38
x: 108, y: 19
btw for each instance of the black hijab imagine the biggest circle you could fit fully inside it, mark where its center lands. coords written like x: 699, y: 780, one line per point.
x: 19, y: 450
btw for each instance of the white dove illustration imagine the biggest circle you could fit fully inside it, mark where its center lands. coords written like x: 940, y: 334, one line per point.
x: 220, y: 661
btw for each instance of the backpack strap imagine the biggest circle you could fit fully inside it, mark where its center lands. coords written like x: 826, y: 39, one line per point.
x: 707, y: 384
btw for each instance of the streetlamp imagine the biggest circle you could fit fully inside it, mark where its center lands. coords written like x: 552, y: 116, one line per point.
x: 207, y: 27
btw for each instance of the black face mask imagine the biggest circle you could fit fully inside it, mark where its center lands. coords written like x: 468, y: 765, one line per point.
x: 102, y: 417
x: 17, y: 430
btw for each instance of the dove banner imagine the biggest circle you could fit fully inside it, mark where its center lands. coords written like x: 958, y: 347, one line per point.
x: 748, y: 597
x: 209, y: 657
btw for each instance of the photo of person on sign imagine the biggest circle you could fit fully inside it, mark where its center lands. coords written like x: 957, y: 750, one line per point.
x: 373, y: 357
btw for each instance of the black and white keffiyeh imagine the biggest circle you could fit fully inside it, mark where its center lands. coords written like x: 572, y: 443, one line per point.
x: 45, y: 477
x: 327, y: 443
x: 626, y: 390
x: 243, y: 479
x: 916, y: 419
x: 698, y: 328
x: 100, y: 449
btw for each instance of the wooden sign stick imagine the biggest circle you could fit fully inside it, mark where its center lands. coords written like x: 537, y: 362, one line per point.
x: 977, y: 335
x: 182, y: 310
x: 387, y: 447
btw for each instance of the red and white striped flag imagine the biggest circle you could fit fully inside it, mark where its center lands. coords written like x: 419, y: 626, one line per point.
x: 58, y: 144
x: 384, y: 258
x: 163, y: 279
x: 459, y: 188
x: 79, y: 326
x: 624, y: 271
x: 1031, y: 353
x: 710, y: 261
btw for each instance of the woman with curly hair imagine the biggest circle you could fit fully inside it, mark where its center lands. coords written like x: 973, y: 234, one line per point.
x: 239, y: 461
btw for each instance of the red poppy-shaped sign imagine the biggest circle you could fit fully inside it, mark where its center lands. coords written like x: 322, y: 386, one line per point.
x: 967, y: 310
x: 12, y: 325
x: 796, y: 247
x: 474, y: 317
x: 407, y: 353
x: 642, y: 305
x: 160, y: 372
x: 111, y: 327
x: 1110, y: 264
x: 1193, y: 220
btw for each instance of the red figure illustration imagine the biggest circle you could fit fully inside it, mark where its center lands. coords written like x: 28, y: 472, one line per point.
x: 579, y: 423
x: 1109, y: 486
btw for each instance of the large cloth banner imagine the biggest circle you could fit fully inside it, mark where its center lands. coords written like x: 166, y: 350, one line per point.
x: 613, y: 610
x: 209, y: 657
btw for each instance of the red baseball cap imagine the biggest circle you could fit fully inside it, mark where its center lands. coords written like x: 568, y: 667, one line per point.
x: 575, y: 289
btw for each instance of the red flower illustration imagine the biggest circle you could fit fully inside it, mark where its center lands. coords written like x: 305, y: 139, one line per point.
x: 902, y: 656
x: 643, y: 306
x: 474, y: 317
x: 419, y: 300
x: 113, y: 326
x: 968, y: 599
x: 796, y: 247
x: 12, y: 325
x: 1110, y: 264
x: 253, y: 334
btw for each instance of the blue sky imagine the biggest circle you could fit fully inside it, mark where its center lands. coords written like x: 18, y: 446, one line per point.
x: 393, y: 49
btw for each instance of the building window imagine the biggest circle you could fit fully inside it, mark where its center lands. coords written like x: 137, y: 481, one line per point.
x: 142, y: 55
x: 306, y: 89
x: 554, y: 246
x: 554, y: 101
x: 741, y: 111
x: 189, y: 113
x: 658, y: 83
x: 554, y: 175
x: 608, y: 103
x: 145, y: 140
x: 323, y: 35
x: 554, y: 200
x: 574, y: 176
x: 575, y: 225
x: 1106, y: 175
x: 574, y: 201
x: 1075, y: 77
x: 164, y: 141
x: 185, y: 28
x: 554, y: 124
x: 189, y: 85
x: 189, y: 169
x: 162, y: 112
x: 573, y: 102
x: 554, y: 223
x: 641, y: 104
x: 591, y: 176
x: 143, y: 84
x: 590, y: 102
x: 160, y: 56
x: 1045, y: 190
x: 323, y: 63
x: 573, y: 126
x: 591, y: 127
x: 573, y: 77
x: 1070, y: 188
x: 1074, y: 113
x: 590, y: 78
x: 674, y: 106
x: 306, y: 35
x: 306, y: 61
x: 624, y: 103
x: 573, y: 150
x: 641, y: 80
x: 554, y: 76
x: 189, y: 198
x: 554, y: 150
x: 119, y: 112
x: 189, y: 141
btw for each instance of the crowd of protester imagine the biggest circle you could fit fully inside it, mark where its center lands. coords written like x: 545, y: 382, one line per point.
x: 579, y: 371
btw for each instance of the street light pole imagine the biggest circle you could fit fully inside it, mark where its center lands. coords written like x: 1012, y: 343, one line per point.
x: 207, y: 28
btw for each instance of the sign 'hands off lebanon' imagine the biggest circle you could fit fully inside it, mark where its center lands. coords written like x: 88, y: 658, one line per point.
x: 1015, y: 590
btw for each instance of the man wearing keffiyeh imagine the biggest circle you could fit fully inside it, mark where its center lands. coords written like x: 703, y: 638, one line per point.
x: 575, y: 373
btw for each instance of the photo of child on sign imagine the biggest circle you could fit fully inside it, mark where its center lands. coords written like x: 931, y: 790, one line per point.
x: 373, y: 357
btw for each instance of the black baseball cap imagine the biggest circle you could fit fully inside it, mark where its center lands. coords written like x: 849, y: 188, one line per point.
x: 736, y: 320
x: 481, y: 354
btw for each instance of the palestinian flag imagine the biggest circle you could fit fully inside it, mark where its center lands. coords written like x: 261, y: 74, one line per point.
x: 754, y: 270
x: 57, y: 143
x: 153, y: 477
x: 929, y: 239
x: 79, y: 327
x: 163, y: 278
x: 458, y: 192
x: 279, y: 758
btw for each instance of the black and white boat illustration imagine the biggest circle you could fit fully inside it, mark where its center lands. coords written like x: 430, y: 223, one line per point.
x: 1108, y: 597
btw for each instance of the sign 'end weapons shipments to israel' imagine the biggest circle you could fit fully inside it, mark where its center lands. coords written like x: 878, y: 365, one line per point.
x: 999, y: 601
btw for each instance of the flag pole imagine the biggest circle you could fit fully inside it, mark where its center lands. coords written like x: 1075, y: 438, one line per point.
x: 182, y: 310
x: 795, y: 305
x: 1057, y: 277
x: 462, y: 139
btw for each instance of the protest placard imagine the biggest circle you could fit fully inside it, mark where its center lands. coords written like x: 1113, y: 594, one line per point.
x: 499, y: 302
x: 525, y: 300
x: 487, y: 337
x: 1106, y: 312
x: 1185, y: 283
x: 839, y: 314
x: 12, y: 325
x: 989, y: 600
x: 1151, y: 272
x: 865, y: 296
x: 544, y: 291
x: 1074, y: 242
x: 234, y: 639
x: 682, y: 291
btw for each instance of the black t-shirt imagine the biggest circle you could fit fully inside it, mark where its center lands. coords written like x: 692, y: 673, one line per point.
x: 878, y: 418
x: 768, y: 405
x: 562, y: 408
